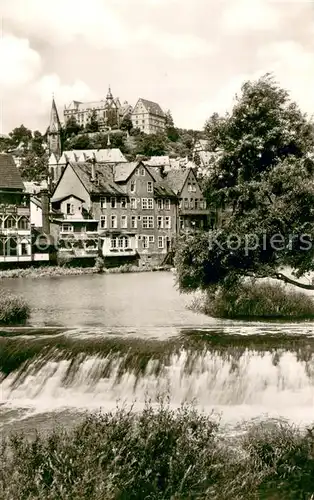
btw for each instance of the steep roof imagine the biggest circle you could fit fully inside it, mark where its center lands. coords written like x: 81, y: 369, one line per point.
x: 104, y: 183
x: 122, y: 171
x: 156, y: 161
x: 54, y: 125
x: 113, y: 155
x: 161, y: 186
x: 151, y: 107
x: 10, y: 177
x: 176, y: 179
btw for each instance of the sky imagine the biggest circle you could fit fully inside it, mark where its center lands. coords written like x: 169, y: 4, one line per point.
x: 190, y: 56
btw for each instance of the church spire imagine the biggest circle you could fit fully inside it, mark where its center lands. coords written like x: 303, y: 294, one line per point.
x: 109, y: 95
x: 54, y: 131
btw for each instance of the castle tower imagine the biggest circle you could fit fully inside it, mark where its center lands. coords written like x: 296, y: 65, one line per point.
x: 54, y: 132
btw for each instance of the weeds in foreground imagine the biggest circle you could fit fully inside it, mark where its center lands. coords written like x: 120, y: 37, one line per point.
x: 163, y: 454
x: 255, y: 300
x: 13, y: 309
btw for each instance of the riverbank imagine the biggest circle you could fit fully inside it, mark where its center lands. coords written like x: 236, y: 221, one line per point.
x: 163, y: 453
x: 54, y: 271
x: 255, y: 300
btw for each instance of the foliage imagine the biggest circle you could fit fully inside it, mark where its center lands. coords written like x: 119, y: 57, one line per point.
x: 92, y: 125
x: 255, y: 300
x: 151, y: 145
x: 34, y: 167
x: 99, y: 265
x: 71, y: 128
x: 13, y: 309
x: 262, y: 182
x: 162, y: 454
x: 126, y: 124
x: 20, y: 135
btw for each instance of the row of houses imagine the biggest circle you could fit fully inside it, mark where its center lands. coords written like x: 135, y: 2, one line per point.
x: 118, y: 210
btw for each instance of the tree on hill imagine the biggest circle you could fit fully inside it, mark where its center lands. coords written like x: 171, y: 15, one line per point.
x: 151, y: 145
x: 92, y: 125
x: 126, y: 124
x: 263, y: 184
x: 34, y: 167
x: 20, y: 135
x: 71, y: 127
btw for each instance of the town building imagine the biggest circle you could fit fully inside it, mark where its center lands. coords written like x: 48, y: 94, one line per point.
x: 56, y: 166
x: 148, y: 117
x: 109, y: 112
x: 15, y: 228
x: 192, y: 208
x: 128, y: 208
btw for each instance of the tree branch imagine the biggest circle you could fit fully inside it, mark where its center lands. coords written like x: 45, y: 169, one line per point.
x: 284, y: 278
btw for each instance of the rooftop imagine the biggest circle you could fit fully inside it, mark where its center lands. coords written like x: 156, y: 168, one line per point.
x: 10, y: 177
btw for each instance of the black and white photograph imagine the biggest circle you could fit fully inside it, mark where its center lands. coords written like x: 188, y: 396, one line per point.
x: 157, y: 250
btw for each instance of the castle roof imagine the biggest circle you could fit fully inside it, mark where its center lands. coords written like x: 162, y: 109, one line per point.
x: 151, y: 107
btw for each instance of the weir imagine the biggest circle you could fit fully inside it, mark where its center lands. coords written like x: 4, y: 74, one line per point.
x: 240, y: 384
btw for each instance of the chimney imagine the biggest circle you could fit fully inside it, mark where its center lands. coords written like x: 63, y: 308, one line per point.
x: 93, y: 174
x: 45, y: 211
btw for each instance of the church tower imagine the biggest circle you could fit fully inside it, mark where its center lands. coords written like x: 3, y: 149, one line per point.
x: 54, y: 132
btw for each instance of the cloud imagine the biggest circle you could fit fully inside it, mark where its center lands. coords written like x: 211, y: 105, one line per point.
x: 20, y: 63
x: 240, y: 15
x: 293, y: 66
x: 178, y: 46
x: 62, y: 21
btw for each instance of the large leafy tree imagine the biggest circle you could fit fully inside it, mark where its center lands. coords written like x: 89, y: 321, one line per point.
x: 262, y: 187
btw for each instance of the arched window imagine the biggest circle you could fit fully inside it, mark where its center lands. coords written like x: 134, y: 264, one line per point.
x: 9, y: 222
x: 11, y: 247
x: 23, y: 223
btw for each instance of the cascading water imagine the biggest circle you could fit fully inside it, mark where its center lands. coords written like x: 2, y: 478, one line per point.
x: 241, y: 385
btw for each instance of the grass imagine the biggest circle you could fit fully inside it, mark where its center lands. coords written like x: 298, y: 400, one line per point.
x: 13, y: 309
x: 256, y: 300
x: 158, y: 454
x: 52, y: 271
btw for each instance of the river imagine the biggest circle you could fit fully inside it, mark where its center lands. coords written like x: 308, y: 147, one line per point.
x: 96, y: 341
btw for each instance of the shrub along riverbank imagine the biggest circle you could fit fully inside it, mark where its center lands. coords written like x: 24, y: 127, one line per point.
x: 13, y: 309
x: 51, y: 271
x: 254, y: 300
x: 161, y: 454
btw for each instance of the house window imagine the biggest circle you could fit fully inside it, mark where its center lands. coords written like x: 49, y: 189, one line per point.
x: 191, y: 203
x: 186, y: 203
x: 103, y: 221
x: 103, y: 202
x: 151, y: 239
x: 23, y: 223
x: 145, y: 241
x: 114, y: 223
x: 194, y: 187
x: 24, y: 249
x: 180, y: 203
x: 160, y: 242
x: 160, y: 204
x: 148, y: 222
x: 123, y: 203
x: 113, y: 202
x: 167, y: 204
x: 124, y: 222
x: 196, y: 203
x: 9, y: 223
x: 69, y: 208
x: 133, y: 203
x: 66, y: 228
x: 150, y: 203
x: 149, y: 187
x: 133, y: 222
x: 189, y: 188
x: 137, y: 172
x: 114, y: 242
x: 181, y: 222
x: 167, y: 222
x: 132, y: 186
x: 142, y: 171
x: 160, y: 222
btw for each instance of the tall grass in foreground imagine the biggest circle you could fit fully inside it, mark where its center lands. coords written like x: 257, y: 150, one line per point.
x: 161, y: 454
x: 13, y: 309
x: 255, y: 300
